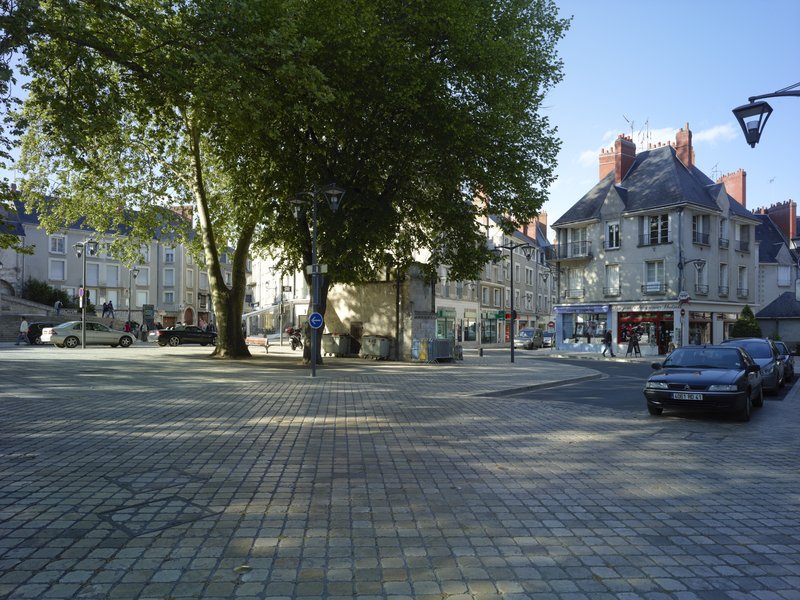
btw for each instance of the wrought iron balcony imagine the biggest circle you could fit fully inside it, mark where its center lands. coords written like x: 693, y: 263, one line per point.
x: 645, y: 239
x: 723, y: 290
x: 724, y: 242
x: 698, y: 237
x: 701, y: 290
x: 575, y: 293
x: 612, y: 291
x: 742, y: 246
x: 742, y: 292
x: 572, y: 250
x: 654, y: 287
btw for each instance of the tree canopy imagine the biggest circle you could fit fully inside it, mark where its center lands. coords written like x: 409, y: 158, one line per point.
x: 417, y: 109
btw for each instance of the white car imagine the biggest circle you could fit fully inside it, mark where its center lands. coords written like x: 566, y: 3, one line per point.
x: 69, y: 335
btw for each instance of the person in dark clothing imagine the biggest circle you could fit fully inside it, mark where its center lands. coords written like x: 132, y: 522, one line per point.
x: 607, y: 341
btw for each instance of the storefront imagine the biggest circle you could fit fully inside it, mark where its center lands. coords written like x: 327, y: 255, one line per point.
x: 654, y: 329
x: 489, y: 327
x: 581, y: 327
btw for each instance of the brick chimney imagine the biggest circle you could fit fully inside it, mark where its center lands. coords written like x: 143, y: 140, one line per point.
x: 683, y: 147
x: 736, y: 185
x: 619, y: 159
x: 531, y: 229
x: 784, y: 215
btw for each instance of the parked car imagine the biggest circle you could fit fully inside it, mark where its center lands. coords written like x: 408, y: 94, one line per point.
x: 723, y: 377
x: 35, y: 331
x: 529, y: 338
x: 69, y: 335
x: 766, y: 355
x: 183, y: 334
x: 787, y: 358
x: 548, y: 339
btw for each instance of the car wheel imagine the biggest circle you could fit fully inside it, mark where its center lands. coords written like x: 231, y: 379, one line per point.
x: 38, y: 341
x: 174, y: 341
x: 125, y: 341
x: 654, y: 410
x: 759, y: 401
x: 744, y: 415
x: 72, y: 342
x: 213, y: 341
x: 162, y: 342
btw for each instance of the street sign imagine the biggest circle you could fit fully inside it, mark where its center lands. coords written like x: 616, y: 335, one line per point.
x: 319, y: 269
x: 315, y: 320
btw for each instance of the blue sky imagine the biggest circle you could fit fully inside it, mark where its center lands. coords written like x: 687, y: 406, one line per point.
x: 662, y: 64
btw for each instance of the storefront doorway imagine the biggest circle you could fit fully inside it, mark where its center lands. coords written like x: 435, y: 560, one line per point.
x: 655, y: 329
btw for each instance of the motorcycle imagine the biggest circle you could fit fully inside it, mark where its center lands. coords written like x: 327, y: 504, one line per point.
x: 295, y: 337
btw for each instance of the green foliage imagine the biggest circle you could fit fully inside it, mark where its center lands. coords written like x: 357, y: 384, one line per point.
x: 746, y: 325
x: 43, y: 293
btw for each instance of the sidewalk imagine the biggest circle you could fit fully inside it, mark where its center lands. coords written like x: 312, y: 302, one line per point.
x: 159, y: 473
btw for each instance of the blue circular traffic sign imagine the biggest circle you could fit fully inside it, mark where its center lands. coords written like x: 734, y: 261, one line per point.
x: 315, y: 320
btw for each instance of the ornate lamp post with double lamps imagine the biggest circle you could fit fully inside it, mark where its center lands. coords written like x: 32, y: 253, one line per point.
x: 82, y: 249
x: 527, y: 250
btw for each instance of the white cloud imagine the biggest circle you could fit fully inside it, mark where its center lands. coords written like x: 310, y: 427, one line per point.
x: 720, y: 133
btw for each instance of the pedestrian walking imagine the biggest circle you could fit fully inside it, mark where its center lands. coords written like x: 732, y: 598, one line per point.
x: 111, y: 309
x: 58, y: 306
x: 23, y: 332
x: 143, y: 331
x: 105, y: 309
x: 607, y: 341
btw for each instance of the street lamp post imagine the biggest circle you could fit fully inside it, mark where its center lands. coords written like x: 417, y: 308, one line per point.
x: 527, y: 249
x: 752, y: 117
x: 82, y: 249
x: 333, y: 195
x: 132, y: 275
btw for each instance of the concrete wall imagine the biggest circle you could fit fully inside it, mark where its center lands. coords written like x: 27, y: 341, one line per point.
x: 786, y: 330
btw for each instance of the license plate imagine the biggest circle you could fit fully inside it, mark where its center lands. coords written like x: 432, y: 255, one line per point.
x: 683, y: 396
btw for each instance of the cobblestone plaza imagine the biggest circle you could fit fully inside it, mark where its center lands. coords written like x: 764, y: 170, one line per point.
x: 159, y: 473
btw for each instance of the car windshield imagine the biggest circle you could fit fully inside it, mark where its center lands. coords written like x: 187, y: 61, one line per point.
x: 704, y: 358
x: 782, y: 348
x: 525, y: 333
x: 757, y: 349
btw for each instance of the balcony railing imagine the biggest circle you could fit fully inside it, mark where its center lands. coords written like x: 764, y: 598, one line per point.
x: 610, y: 245
x: 654, y: 287
x: 724, y: 242
x: 575, y: 293
x: 581, y: 249
x: 699, y: 237
x: 742, y: 292
x: 701, y: 290
x: 723, y: 290
x: 612, y: 291
x: 742, y: 246
x: 645, y: 239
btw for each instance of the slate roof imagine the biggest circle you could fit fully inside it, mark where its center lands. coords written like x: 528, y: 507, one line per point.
x: 784, y: 306
x: 657, y: 179
x: 771, y: 239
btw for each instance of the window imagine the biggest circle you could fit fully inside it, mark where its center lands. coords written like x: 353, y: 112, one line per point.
x: 169, y: 297
x: 57, y: 269
x: 723, y: 279
x: 723, y: 233
x: 190, y: 278
x: 190, y: 298
x: 516, y: 298
x: 741, y: 287
x: 92, y: 274
x: 497, y: 299
x: 227, y: 277
x: 612, y: 234
x: 144, y: 253
x: 784, y: 275
x: 169, y: 277
x: 112, y: 296
x: 58, y: 244
x: 507, y: 297
x: 577, y: 242
x: 528, y: 276
x: 700, y: 227
x: 516, y: 273
x: 743, y: 238
x: 169, y: 255
x: 143, y: 278
x: 112, y: 275
x: 654, y: 229
x: 203, y: 281
x: 485, y: 296
x: 223, y: 258
x: 141, y: 297
x: 529, y: 300
x: 612, y: 281
x: 575, y: 283
x: 701, y: 279
x: 654, y: 277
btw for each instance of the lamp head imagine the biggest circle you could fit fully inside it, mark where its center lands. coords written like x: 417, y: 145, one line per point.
x: 334, y: 194
x: 135, y: 272
x: 79, y: 249
x: 527, y: 250
x: 752, y: 118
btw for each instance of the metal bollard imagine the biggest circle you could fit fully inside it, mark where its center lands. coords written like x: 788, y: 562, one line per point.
x: 480, y: 351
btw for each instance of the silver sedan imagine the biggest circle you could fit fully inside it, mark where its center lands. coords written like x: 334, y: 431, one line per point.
x: 68, y: 335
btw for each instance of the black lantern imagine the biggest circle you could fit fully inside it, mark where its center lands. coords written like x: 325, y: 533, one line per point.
x: 752, y: 118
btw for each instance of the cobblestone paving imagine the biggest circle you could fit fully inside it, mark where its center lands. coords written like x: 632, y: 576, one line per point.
x: 158, y: 473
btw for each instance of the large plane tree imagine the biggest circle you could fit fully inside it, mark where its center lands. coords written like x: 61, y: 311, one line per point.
x: 417, y: 109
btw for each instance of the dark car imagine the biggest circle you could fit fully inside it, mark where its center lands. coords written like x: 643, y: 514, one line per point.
x: 705, y: 377
x: 764, y: 352
x: 529, y: 338
x: 35, y: 331
x: 787, y: 359
x: 183, y: 334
